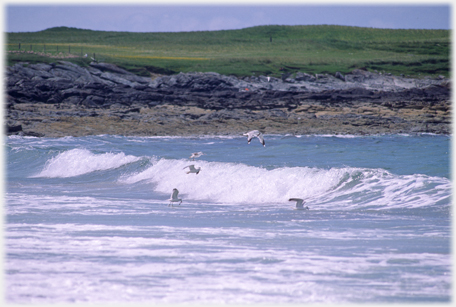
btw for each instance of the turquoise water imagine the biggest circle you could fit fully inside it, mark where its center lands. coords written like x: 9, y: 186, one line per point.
x: 87, y: 220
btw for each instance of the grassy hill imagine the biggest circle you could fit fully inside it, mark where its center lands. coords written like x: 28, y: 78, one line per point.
x: 265, y: 50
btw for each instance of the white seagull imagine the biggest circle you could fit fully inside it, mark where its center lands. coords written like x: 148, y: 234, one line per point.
x: 254, y: 133
x: 299, y: 203
x: 174, y: 197
x: 196, y: 155
x: 193, y: 169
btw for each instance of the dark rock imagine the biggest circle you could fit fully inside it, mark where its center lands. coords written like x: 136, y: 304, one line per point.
x: 66, y: 70
x: 354, y: 78
x: 116, y: 79
x: 304, y: 77
x: 277, y: 113
x: 32, y: 133
x: 340, y: 76
x: 106, y: 86
x: 40, y: 67
x: 14, y: 128
x: 22, y: 71
x: 109, y: 67
x: 286, y: 75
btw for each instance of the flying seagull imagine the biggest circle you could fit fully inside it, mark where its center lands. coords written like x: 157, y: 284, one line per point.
x: 196, y: 155
x: 254, y: 133
x: 193, y: 169
x: 299, y: 203
x: 174, y: 197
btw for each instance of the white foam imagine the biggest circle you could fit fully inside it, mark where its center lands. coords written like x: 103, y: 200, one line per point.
x: 111, y: 263
x: 341, y: 136
x: 196, y: 136
x: 235, y: 182
x: 341, y: 187
x: 378, y: 188
x: 77, y: 162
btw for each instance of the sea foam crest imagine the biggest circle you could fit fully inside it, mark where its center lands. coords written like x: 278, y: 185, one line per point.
x: 345, y: 187
x: 77, y: 162
x: 379, y: 189
x: 236, y: 182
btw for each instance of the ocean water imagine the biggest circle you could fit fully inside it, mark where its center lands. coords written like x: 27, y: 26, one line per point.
x: 87, y: 219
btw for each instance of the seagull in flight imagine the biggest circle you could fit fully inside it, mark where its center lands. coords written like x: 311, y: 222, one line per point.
x: 193, y: 169
x: 196, y: 155
x: 254, y: 133
x: 299, y: 203
x: 174, y: 197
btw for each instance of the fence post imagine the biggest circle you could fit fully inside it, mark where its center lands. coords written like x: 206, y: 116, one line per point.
x: 30, y: 47
x: 19, y: 46
x: 69, y: 49
x: 44, y: 48
x: 57, y: 48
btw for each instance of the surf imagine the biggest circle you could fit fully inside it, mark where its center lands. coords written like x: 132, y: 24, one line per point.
x: 76, y: 162
x: 333, y: 188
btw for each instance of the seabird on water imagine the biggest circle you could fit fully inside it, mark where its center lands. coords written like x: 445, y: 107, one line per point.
x: 174, y: 197
x: 193, y: 169
x: 196, y: 155
x: 299, y: 203
x: 254, y: 133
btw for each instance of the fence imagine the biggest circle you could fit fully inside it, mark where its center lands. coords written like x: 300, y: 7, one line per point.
x: 53, y: 50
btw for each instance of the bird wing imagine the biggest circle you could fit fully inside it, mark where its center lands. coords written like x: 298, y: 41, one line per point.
x: 196, y: 154
x: 175, y: 193
x: 299, y: 201
x: 260, y: 137
x: 251, y: 134
x: 192, y: 167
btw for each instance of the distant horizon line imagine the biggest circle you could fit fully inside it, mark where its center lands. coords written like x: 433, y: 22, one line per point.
x: 269, y: 25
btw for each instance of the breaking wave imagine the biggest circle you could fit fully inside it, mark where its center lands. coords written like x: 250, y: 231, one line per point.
x: 77, y: 162
x: 332, y: 188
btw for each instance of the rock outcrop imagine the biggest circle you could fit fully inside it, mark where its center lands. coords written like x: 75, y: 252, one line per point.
x: 43, y: 99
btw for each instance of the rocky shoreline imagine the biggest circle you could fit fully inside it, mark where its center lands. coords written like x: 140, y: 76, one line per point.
x: 63, y: 99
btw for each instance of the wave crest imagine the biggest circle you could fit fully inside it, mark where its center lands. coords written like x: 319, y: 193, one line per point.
x: 77, y: 162
x: 342, y: 187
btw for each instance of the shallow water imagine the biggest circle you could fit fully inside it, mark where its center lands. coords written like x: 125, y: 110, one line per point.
x: 87, y: 220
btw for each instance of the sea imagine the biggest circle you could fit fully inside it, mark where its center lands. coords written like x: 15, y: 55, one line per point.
x: 88, y: 220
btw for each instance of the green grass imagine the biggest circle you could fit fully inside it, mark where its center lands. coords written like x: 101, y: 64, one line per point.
x: 311, y: 49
